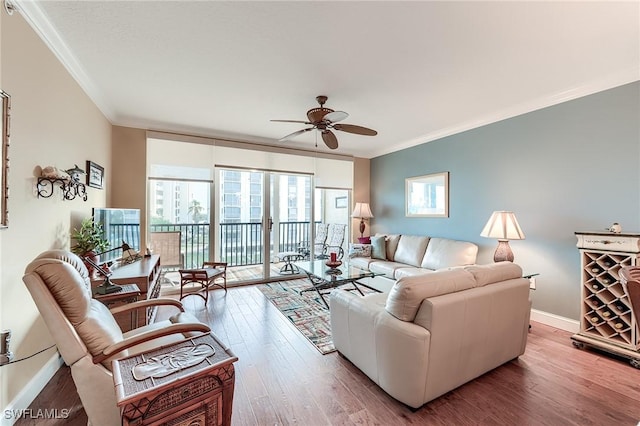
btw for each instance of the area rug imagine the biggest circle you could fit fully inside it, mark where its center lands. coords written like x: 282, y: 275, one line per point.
x: 306, y: 311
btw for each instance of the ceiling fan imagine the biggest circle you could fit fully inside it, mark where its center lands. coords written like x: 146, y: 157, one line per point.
x: 324, y: 120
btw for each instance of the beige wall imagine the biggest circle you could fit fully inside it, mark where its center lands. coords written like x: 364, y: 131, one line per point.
x: 129, y: 180
x: 361, y: 194
x: 53, y: 123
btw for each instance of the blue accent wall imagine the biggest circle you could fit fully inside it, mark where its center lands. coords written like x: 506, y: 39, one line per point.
x: 571, y: 167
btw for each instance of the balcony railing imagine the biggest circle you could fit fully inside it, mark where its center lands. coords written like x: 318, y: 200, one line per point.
x: 240, y: 243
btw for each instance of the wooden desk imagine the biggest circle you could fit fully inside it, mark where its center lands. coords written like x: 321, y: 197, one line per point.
x: 128, y: 293
x: 200, y: 394
x: 144, y: 273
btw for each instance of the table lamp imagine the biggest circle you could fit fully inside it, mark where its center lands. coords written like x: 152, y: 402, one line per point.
x: 129, y: 255
x: 503, y: 226
x: 362, y: 211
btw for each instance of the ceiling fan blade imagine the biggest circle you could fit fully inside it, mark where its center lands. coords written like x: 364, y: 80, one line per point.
x: 351, y: 128
x: 294, y: 134
x: 329, y: 139
x: 290, y: 121
x: 335, y: 116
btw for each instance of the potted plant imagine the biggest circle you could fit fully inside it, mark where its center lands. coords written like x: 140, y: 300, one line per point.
x: 89, y: 241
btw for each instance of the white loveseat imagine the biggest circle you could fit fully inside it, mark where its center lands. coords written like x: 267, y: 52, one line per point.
x: 434, y: 332
x: 410, y: 255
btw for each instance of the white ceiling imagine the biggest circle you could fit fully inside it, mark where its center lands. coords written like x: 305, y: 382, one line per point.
x: 414, y: 71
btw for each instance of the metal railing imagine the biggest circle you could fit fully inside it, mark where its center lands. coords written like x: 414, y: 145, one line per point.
x: 240, y: 243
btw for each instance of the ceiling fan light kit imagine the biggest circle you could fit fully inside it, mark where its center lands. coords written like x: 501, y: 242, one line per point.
x: 324, y: 120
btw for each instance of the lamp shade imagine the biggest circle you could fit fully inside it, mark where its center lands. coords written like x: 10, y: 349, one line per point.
x: 362, y: 210
x: 503, y: 226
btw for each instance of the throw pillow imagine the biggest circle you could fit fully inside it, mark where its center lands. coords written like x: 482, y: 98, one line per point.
x: 378, y: 248
x: 359, y: 250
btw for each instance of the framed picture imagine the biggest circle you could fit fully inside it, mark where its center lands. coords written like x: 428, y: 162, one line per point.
x: 95, y: 175
x: 427, y: 196
x: 341, y: 202
x: 5, y: 119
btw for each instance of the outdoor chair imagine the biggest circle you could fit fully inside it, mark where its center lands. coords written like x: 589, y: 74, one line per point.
x: 333, y: 244
x: 318, y: 242
x: 167, y: 245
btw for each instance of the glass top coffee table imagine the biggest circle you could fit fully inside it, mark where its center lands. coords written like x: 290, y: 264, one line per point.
x: 323, y: 277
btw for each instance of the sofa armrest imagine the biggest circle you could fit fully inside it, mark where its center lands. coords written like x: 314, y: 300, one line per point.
x: 393, y: 353
x: 474, y: 331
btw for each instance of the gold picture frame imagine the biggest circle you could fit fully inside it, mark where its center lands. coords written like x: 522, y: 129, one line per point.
x: 427, y: 195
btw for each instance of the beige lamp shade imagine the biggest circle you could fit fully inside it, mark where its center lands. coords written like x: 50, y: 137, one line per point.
x: 363, y: 211
x: 504, y: 226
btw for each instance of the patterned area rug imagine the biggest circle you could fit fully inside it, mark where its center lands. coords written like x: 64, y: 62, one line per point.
x: 306, y: 311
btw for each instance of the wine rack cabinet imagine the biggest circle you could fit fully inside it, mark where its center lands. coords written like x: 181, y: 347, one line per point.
x: 606, y: 318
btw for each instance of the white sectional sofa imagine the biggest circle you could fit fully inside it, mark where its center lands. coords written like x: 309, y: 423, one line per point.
x: 410, y: 255
x: 434, y: 331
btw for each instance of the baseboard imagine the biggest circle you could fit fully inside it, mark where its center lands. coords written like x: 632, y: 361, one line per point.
x: 556, y: 321
x: 26, y: 396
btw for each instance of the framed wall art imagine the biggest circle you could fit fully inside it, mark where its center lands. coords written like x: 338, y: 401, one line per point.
x: 428, y: 195
x: 5, y: 121
x: 341, y: 202
x: 95, y: 175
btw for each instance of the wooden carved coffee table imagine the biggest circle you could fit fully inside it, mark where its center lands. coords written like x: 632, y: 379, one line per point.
x: 187, y: 383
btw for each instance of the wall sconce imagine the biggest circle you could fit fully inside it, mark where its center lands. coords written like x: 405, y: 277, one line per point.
x: 503, y: 226
x: 69, y: 182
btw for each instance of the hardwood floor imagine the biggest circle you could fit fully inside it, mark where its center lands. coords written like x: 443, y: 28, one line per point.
x: 282, y: 379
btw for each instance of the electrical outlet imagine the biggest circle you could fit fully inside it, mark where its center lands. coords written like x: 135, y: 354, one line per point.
x: 5, y: 354
x: 532, y: 283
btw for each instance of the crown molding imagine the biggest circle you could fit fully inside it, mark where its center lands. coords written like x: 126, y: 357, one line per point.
x: 37, y: 19
x: 621, y: 78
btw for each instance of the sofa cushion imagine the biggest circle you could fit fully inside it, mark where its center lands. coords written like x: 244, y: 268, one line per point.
x: 407, y: 293
x: 445, y: 253
x: 410, y: 272
x: 494, y: 272
x: 378, y: 248
x: 359, y: 250
x: 392, y: 245
x: 361, y: 262
x: 385, y: 267
x: 411, y: 249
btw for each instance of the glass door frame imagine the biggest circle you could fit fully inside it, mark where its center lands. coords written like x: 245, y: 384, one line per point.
x: 270, y: 227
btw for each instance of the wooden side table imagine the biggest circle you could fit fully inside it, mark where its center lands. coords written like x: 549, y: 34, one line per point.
x: 199, y: 394
x: 127, y: 294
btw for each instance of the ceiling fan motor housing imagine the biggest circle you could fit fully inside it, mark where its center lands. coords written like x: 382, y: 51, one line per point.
x: 315, y: 115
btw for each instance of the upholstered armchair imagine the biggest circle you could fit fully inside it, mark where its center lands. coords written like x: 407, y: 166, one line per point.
x: 87, y: 334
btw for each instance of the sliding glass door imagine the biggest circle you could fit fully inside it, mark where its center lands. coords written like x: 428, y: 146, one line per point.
x: 259, y: 214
